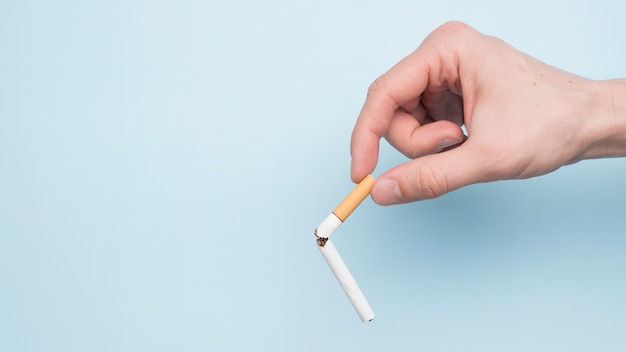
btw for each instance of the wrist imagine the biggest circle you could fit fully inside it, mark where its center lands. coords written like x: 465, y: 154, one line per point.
x: 607, y: 120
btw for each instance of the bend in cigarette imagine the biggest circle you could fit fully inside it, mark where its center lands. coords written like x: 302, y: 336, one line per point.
x: 345, y: 278
x: 328, y: 226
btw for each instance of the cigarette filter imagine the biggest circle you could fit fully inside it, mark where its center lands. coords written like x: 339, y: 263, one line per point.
x: 328, y: 250
x: 345, y: 278
x: 358, y: 194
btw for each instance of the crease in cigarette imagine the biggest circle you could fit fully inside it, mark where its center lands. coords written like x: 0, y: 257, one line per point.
x: 332, y: 257
x: 345, y: 278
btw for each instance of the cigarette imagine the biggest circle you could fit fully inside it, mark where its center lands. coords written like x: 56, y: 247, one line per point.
x: 345, y: 208
x: 332, y: 257
x: 345, y: 278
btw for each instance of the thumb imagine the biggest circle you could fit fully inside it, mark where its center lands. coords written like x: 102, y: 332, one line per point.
x: 430, y: 176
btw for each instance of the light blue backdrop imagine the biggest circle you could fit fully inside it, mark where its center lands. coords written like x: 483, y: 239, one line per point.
x: 163, y: 166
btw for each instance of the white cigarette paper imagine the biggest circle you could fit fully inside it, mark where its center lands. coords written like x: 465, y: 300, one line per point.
x: 328, y: 226
x: 345, y: 278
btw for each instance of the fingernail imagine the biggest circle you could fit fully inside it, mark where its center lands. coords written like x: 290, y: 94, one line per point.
x: 387, y: 192
x: 447, y: 143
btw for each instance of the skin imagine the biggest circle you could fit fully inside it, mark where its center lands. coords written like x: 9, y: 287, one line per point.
x: 523, y: 117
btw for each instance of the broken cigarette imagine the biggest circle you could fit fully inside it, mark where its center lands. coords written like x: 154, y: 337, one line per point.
x: 332, y: 257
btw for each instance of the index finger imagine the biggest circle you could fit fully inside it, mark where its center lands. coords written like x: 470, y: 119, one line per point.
x: 402, y: 84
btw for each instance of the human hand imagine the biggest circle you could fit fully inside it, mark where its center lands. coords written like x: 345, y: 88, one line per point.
x: 523, y: 117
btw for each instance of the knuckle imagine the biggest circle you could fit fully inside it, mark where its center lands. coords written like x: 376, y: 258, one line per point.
x: 432, y: 182
x: 374, y: 87
x: 453, y: 26
x: 452, y: 34
x: 411, y: 154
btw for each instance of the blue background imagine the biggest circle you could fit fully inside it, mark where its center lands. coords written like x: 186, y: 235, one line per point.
x: 164, y: 164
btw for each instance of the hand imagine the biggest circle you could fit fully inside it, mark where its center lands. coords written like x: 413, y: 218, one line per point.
x: 523, y: 118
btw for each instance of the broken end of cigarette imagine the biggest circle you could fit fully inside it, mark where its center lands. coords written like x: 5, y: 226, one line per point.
x: 328, y: 226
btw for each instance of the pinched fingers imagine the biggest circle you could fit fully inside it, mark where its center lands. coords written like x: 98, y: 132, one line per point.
x: 434, y: 66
